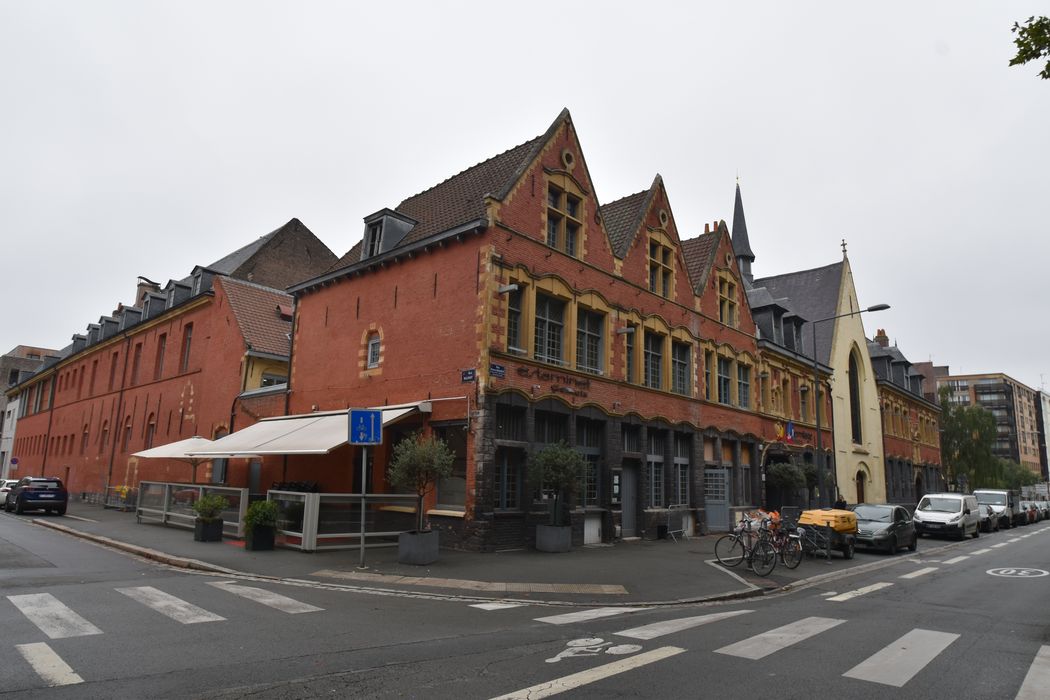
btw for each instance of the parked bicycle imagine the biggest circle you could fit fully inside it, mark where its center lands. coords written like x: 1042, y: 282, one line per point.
x: 743, y: 544
x: 787, y: 543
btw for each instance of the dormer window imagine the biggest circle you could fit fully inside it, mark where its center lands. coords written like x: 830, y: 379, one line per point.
x: 375, y: 239
x: 564, y: 220
x: 197, y: 278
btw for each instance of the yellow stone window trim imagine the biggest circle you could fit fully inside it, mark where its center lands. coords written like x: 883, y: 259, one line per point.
x: 564, y: 217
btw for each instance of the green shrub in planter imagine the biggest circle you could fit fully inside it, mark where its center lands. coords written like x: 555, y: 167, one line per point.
x: 210, y: 506
x: 418, y: 463
x: 208, y: 525
x: 260, y: 524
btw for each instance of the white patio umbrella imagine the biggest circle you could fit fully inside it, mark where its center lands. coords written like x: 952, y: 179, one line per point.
x: 180, y: 451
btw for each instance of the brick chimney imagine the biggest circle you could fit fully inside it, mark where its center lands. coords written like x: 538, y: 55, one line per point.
x: 144, y: 287
x: 881, y: 338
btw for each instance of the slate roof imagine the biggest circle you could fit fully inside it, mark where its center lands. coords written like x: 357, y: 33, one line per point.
x: 741, y: 246
x: 622, y: 219
x: 228, y: 264
x: 461, y: 198
x: 814, y: 294
x: 256, y: 309
x: 699, y: 255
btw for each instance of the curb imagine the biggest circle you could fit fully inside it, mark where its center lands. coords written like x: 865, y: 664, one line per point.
x: 144, y: 552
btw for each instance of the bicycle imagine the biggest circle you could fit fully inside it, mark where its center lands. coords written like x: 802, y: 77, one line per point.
x: 741, y: 544
x: 787, y: 544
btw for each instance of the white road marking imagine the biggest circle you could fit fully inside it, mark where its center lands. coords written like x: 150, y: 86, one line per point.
x: 956, y: 560
x: 762, y: 645
x: 659, y: 629
x: 1001, y: 544
x: 825, y: 594
x: 497, y: 606
x: 578, y: 680
x: 268, y: 598
x: 584, y: 615
x: 52, y: 616
x: 1037, y: 680
x: 48, y: 665
x: 898, y: 662
x: 175, y: 608
x: 1016, y: 539
x: 980, y: 551
x: 860, y: 591
x: 920, y: 572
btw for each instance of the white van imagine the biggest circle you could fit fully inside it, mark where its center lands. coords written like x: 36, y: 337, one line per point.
x: 952, y: 514
x: 1002, y: 501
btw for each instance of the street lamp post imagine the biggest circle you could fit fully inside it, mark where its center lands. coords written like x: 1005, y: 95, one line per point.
x: 816, y: 399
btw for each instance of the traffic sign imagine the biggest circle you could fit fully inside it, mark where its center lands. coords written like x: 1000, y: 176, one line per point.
x: 365, y: 426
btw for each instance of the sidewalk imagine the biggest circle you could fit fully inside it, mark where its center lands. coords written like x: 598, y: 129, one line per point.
x: 635, y: 572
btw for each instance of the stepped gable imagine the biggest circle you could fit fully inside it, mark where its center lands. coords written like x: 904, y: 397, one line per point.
x: 623, y: 218
x: 815, y: 295
x: 259, y: 315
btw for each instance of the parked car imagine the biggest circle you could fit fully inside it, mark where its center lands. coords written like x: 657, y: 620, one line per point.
x: 947, y: 514
x: 989, y: 518
x: 1045, y: 507
x: 1028, y: 507
x: 37, y: 493
x: 885, y: 527
x: 5, y: 486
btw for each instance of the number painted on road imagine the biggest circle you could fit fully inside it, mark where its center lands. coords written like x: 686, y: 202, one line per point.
x: 1018, y: 572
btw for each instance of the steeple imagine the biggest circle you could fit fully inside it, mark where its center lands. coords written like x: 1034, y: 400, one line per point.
x: 741, y: 246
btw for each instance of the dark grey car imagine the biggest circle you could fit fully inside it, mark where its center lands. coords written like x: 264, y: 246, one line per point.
x: 885, y: 527
x: 37, y: 493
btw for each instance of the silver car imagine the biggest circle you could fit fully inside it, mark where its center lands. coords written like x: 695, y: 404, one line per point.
x: 5, y: 486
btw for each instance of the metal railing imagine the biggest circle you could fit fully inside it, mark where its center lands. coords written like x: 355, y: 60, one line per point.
x: 172, y: 504
x: 121, y: 497
x: 325, y: 521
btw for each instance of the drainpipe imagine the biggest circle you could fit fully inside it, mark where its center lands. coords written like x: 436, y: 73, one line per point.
x: 119, y: 411
x: 50, y: 420
x: 288, y: 386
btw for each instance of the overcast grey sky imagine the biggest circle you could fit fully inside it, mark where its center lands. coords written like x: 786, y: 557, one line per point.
x: 142, y: 138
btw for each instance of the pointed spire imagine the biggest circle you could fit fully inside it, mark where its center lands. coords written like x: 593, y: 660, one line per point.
x: 741, y: 246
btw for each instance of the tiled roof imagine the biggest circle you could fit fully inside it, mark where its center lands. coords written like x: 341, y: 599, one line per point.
x: 814, y: 294
x: 257, y: 311
x: 699, y: 254
x: 622, y: 219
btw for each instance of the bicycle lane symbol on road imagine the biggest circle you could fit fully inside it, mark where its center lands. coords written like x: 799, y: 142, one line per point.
x: 593, y: 646
x: 1017, y: 572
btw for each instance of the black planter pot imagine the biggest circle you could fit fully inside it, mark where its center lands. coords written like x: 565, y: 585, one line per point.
x: 259, y: 538
x: 207, y: 530
x: 419, y: 547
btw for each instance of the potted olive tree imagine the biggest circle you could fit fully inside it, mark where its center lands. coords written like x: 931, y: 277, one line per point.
x: 260, y: 526
x: 556, y: 470
x: 207, y: 527
x: 417, y: 465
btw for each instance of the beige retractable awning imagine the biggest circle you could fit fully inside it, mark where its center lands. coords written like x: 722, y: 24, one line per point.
x: 307, y: 434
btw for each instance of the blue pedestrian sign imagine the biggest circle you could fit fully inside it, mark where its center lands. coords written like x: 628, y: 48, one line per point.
x: 366, y: 426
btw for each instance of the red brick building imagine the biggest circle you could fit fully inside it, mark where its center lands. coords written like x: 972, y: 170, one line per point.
x: 200, y: 356
x: 527, y: 313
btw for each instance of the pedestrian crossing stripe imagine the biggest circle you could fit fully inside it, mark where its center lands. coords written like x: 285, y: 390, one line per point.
x: 919, y: 572
x: 267, y: 598
x: 659, y: 629
x: 52, y: 616
x: 585, y: 615
x: 166, y: 604
x: 766, y: 643
x: 496, y: 606
x: 48, y: 665
x: 898, y: 662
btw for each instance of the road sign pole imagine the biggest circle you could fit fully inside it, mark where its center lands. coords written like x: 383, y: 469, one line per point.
x: 364, y: 503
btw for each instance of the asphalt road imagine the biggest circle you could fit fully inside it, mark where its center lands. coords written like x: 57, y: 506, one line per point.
x: 96, y: 623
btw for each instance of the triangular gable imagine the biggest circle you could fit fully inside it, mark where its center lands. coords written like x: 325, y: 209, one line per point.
x: 710, y: 257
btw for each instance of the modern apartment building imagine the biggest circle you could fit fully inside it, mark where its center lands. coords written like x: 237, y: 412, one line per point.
x: 1012, y: 403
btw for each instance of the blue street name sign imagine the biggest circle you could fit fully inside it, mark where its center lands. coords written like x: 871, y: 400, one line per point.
x: 467, y: 375
x: 497, y: 371
x: 366, y: 426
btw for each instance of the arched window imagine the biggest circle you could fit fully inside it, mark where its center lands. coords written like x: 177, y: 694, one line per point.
x: 854, y: 398
x: 151, y: 430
